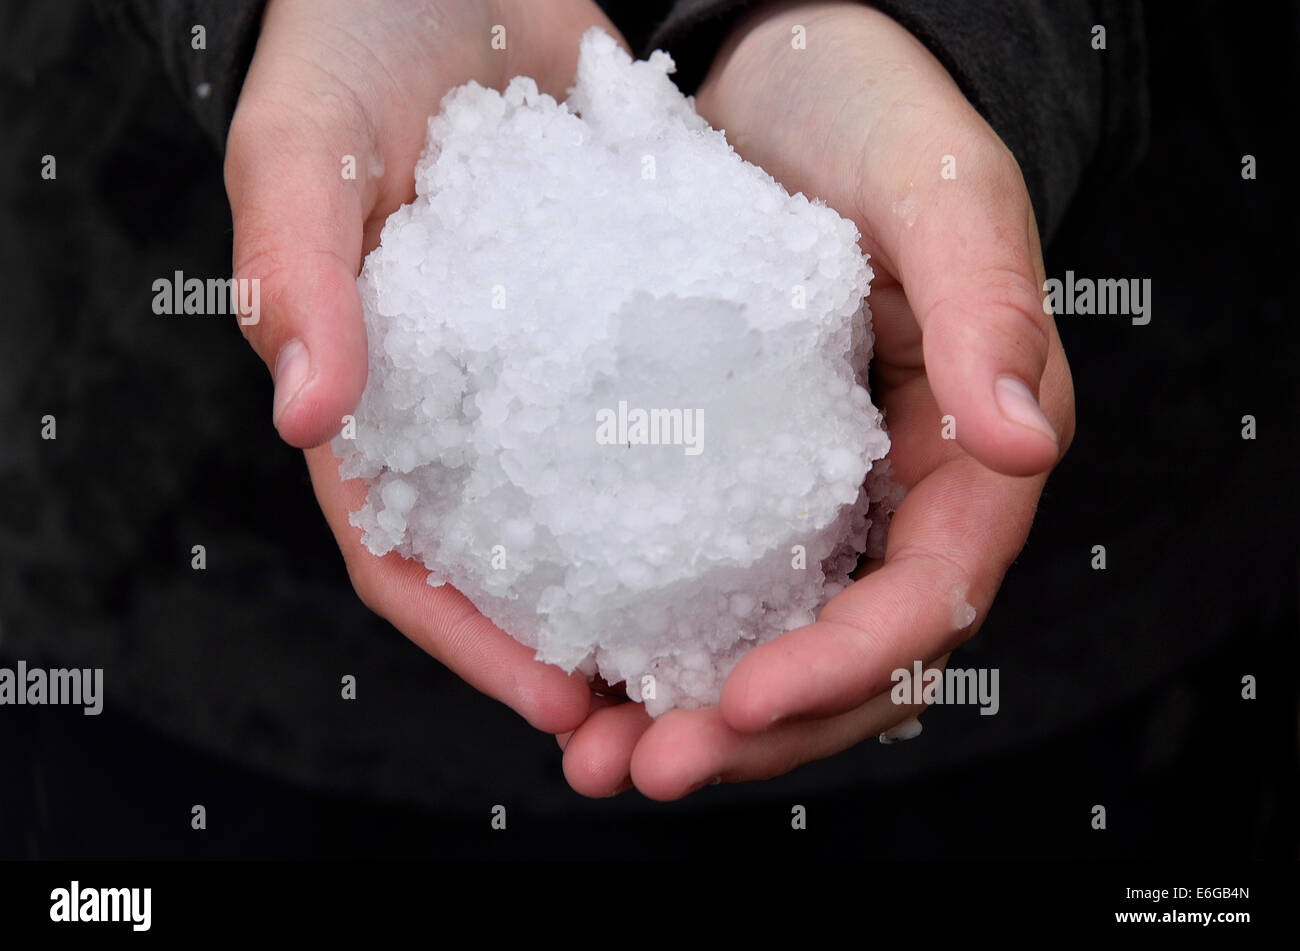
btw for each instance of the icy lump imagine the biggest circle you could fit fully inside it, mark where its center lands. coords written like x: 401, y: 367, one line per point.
x: 616, y: 382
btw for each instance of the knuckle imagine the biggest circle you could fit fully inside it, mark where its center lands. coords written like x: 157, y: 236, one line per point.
x: 1063, y: 420
x: 1002, y: 164
x: 955, y: 575
x: 1010, y: 290
x: 1001, y: 305
x: 269, y: 270
x: 994, y: 164
x: 362, y: 583
x: 257, y: 123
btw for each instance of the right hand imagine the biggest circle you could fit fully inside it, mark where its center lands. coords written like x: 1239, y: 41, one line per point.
x: 957, y: 311
x: 336, y: 78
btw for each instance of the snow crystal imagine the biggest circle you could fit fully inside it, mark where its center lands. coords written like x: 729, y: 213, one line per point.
x: 617, y: 381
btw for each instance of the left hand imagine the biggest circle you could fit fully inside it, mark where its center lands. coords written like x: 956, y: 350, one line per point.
x: 867, y: 119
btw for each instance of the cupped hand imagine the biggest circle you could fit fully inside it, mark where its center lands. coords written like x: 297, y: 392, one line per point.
x: 322, y: 149
x: 864, y: 117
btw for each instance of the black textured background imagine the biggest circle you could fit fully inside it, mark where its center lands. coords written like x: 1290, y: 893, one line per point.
x: 1119, y: 687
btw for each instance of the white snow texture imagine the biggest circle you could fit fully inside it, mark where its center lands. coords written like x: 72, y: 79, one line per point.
x: 564, y: 268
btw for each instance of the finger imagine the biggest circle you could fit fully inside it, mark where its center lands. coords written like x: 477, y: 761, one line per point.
x: 598, y: 702
x: 950, y: 543
x: 685, y: 750
x: 920, y: 439
x: 598, y: 756
x: 298, y: 232
x: 971, y: 281
x: 939, y: 200
x: 443, y: 622
x: 948, y: 205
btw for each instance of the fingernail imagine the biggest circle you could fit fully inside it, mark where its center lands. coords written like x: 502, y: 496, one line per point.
x: 1017, y: 403
x: 711, y: 781
x: 292, y: 367
x: 907, y: 730
x: 623, y: 787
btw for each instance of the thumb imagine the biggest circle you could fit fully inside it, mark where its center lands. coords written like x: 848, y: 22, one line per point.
x: 969, y: 261
x: 298, y: 234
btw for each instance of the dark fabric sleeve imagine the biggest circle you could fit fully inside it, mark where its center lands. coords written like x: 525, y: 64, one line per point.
x: 1063, y: 108
x: 209, y: 80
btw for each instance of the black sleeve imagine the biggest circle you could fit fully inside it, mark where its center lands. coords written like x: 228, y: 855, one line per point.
x: 208, y: 79
x: 1029, y: 67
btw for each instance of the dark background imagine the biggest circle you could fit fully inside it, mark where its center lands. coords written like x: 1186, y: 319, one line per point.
x: 1119, y: 687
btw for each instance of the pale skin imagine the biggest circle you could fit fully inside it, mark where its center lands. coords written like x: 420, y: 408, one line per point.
x: 864, y: 118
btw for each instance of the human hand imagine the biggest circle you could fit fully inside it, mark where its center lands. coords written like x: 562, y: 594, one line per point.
x: 333, y: 79
x: 864, y: 118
